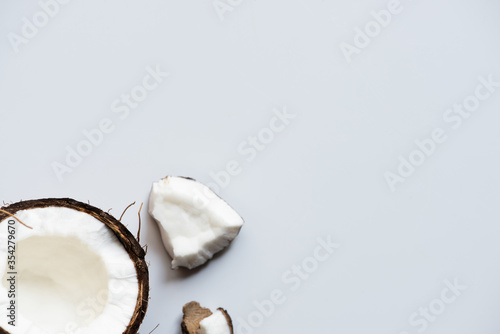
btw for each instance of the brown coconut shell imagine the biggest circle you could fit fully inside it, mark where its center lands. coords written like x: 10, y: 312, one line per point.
x: 133, y: 248
x: 228, y: 318
x: 194, y: 314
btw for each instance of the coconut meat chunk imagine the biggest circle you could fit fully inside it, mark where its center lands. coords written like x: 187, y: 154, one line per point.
x: 194, y: 222
x: 215, y: 324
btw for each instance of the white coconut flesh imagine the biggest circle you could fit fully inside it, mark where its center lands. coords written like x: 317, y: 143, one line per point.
x: 194, y: 222
x: 73, y: 275
x: 214, y: 324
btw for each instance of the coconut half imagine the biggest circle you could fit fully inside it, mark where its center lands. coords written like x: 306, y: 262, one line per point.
x: 194, y: 222
x: 78, y: 270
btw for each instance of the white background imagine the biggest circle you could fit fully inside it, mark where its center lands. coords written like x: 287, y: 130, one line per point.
x: 323, y: 175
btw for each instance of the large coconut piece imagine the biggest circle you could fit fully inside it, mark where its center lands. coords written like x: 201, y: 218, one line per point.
x: 78, y: 270
x: 194, y: 222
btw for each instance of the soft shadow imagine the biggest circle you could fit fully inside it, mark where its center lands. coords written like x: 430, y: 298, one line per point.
x: 183, y: 273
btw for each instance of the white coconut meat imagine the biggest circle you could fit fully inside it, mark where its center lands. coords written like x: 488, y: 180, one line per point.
x: 194, y: 222
x: 73, y: 275
x: 215, y: 324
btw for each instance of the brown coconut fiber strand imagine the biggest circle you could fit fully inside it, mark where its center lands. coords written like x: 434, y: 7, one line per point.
x: 125, y: 211
x: 11, y: 215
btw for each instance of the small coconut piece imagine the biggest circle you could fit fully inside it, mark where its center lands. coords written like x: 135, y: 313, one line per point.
x: 194, y: 222
x: 200, y: 320
x: 193, y: 315
x: 78, y: 269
